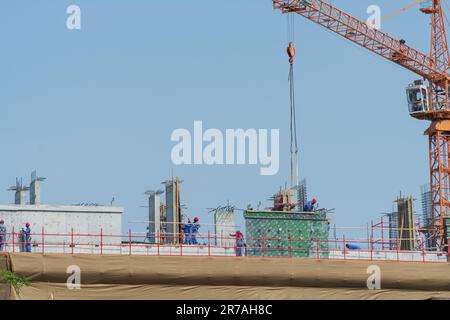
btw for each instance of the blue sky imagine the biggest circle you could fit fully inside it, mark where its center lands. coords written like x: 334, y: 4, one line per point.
x: 93, y: 110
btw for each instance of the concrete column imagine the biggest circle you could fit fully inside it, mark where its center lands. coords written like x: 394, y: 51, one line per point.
x: 35, y: 189
x: 154, y: 227
x: 173, y: 213
x: 20, y: 196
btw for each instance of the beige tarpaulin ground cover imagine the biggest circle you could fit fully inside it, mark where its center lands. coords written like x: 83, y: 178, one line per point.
x: 153, y: 277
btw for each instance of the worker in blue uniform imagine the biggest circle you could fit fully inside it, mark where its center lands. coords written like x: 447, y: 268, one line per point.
x: 194, y: 231
x: 187, y: 231
x: 27, y: 237
x: 310, y: 205
x: 2, y: 234
x: 352, y: 246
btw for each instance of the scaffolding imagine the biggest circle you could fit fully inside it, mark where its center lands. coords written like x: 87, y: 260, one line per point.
x: 302, y: 195
x: 403, y: 233
x: 224, y: 225
x: 427, y: 219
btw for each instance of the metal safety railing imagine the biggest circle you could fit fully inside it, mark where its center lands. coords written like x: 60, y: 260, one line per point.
x: 136, y: 243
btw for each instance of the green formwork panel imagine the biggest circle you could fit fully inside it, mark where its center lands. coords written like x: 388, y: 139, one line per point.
x: 271, y: 233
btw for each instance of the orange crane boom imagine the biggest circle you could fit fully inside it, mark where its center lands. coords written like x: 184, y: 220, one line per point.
x: 426, y: 101
x: 362, y: 34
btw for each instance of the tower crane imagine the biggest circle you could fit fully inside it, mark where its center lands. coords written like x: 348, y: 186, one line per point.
x: 428, y: 97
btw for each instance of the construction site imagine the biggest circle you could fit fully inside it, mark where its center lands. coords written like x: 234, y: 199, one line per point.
x: 289, y: 248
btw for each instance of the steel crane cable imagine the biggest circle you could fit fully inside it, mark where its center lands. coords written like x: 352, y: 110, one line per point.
x: 293, y: 123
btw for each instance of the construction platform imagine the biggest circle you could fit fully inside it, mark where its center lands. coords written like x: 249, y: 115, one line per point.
x: 183, y: 278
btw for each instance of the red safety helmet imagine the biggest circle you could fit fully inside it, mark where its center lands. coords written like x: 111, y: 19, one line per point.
x: 27, y: 224
x: 196, y: 219
x: 2, y: 222
x: 314, y: 200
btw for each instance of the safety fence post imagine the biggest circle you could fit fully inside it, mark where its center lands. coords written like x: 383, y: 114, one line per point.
x: 448, y: 251
x: 43, y: 243
x: 181, y: 248
x: 158, y: 238
x: 290, y: 244
x: 382, y: 234
x: 71, y: 240
x: 371, y: 249
x: 317, y: 249
x: 13, y: 237
x: 343, y: 242
x: 264, y: 246
x: 423, y: 251
x: 101, y: 241
x: 371, y: 243
x: 209, y: 243
x: 129, y: 241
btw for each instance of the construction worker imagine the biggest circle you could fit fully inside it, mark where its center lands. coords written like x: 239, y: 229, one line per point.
x: 239, y: 243
x: 2, y: 234
x: 351, y: 246
x: 27, y: 237
x: 194, y: 231
x: 310, y: 205
x: 148, y: 236
x: 187, y: 231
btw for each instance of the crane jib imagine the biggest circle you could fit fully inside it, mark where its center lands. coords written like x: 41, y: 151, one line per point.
x: 364, y: 35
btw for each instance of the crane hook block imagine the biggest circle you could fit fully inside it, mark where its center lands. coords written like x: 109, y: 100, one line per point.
x: 291, y: 52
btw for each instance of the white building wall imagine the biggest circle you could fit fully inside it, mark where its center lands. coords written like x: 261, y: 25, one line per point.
x: 87, y: 223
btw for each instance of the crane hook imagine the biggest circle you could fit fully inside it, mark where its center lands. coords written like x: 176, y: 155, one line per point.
x: 291, y: 52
